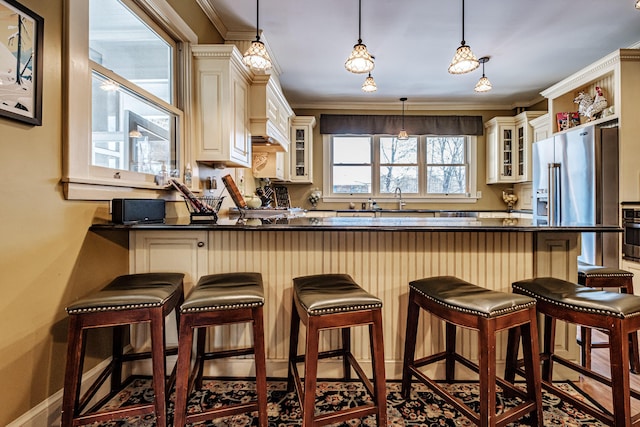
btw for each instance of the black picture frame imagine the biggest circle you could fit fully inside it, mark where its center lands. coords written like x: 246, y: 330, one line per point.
x: 21, y: 38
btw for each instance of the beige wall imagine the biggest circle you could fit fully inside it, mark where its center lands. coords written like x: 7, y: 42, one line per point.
x: 491, y: 194
x: 48, y: 257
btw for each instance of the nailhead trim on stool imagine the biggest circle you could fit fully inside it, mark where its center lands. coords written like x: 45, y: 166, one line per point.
x: 460, y: 303
x: 220, y: 299
x: 327, y: 301
x: 127, y: 300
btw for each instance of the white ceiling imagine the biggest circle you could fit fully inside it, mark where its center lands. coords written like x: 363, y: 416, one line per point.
x: 532, y: 45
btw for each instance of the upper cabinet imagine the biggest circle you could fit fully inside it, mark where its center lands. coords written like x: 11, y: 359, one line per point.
x: 221, y: 106
x: 301, y: 151
x: 270, y: 115
x: 508, y: 141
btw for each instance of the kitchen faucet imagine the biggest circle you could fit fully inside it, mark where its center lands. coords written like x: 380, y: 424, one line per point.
x: 401, y: 203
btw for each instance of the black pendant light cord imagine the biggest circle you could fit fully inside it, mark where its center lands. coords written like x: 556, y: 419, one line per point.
x: 258, y: 20
x: 359, y: 21
x: 463, y: 42
x: 403, y: 100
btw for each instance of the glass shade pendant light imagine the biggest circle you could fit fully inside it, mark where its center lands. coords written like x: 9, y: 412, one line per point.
x: 464, y: 60
x: 403, y: 133
x: 256, y: 57
x: 483, y: 85
x: 369, y: 84
x: 360, y: 61
x: 638, y: 4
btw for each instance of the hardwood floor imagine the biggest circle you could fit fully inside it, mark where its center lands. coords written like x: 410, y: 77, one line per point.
x: 600, y: 364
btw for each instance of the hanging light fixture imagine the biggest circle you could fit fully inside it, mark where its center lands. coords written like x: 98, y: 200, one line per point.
x: 403, y: 133
x: 484, y: 85
x: 638, y: 4
x: 369, y: 84
x: 464, y: 60
x: 256, y: 57
x: 360, y: 61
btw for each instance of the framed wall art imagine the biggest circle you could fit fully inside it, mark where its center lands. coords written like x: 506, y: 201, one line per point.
x: 21, y: 37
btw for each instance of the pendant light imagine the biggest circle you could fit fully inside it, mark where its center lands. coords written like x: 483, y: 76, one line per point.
x: 483, y: 85
x: 403, y: 133
x: 256, y: 57
x: 464, y: 60
x: 360, y: 61
x: 638, y: 4
x: 369, y: 85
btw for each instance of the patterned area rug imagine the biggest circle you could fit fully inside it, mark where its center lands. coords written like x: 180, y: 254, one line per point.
x: 422, y: 409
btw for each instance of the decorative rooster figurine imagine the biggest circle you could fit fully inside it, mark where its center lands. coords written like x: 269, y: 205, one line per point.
x: 599, y: 104
x: 584, y: 101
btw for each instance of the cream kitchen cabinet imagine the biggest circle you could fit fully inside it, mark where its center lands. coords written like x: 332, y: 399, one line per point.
x: 221, y: 106
x: 301, y: 151
x: 270, y: 114
x: 508, y: 141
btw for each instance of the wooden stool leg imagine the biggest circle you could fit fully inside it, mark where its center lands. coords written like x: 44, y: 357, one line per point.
x: 511, y: 359
x: 531, y: 352
x: 620, y: 386
x: 310, y: 372
x: 549, y: 342
x: 183, y: 370
x: 377, y: 360
x: 293, y: 345
x: 450, y: 361
x: 159, y: 363
x: 261, y: 365
x: 201, y: 343
x: 73, y: 373
x: 118, y: 346
x: 413, y: 316
x: 585, y: 346
x: 346, y: 349
x: 634, y: 353
x: 487, y: 374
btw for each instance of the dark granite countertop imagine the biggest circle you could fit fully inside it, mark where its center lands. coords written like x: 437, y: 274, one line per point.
x: 457, y: 224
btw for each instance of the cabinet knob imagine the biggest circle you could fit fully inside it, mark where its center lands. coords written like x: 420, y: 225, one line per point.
x: 200, y: 244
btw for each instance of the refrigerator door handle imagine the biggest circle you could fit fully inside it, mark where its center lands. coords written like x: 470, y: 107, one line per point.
x: 553, y: 207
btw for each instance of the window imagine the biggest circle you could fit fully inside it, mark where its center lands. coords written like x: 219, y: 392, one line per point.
x: 124, y: 118
x: 422, y: 167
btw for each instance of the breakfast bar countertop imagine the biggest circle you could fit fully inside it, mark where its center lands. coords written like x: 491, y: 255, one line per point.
x: 407, y: 223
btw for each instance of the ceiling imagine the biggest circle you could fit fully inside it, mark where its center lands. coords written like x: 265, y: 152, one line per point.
x: 532, y: 45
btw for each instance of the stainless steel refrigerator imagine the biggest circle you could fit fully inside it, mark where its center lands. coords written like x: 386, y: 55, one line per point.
x: 575, y: 182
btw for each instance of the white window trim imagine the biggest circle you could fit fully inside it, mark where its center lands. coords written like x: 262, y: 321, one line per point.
x: 81, y: 181
x: 471, y: 197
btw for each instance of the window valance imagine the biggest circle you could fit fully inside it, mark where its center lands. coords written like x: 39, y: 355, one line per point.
x: 356, y: 124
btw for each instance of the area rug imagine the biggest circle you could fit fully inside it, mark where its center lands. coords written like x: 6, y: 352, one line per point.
x: 423, y: 408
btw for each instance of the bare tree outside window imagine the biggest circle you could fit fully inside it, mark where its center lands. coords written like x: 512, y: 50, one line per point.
x: 446, y: 165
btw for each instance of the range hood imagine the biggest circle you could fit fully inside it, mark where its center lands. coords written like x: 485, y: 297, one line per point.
x: 270, y: 114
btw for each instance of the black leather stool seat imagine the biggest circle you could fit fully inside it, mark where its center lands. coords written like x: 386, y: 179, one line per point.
x: 456, y: 294
x: 331, y: 301
x: 462, y: 304
x: 225, y: 292
x: 580, y: 298
x: 590, y: 271
x: 617, y: 314
x: 332, y: 293
x: 220, y: 299
x: 130, y: 291
x: 129, y: 299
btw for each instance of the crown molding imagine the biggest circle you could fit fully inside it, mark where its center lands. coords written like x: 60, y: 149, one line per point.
x: 213, y: 16
x: 391, y: 105
x: 162, y: 11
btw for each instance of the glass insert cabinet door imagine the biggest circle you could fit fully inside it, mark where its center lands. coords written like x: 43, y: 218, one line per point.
x: 507, y: 152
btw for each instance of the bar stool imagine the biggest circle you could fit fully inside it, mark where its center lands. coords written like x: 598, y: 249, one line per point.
x: 220, y: 299
x: 460, y: 303
x: 616, y: 313
x: 128, y: 299
x: 327, y: 301
x: 595, y: 276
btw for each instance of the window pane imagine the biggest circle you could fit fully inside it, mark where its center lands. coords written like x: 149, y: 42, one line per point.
x: 352, y: 179
x: 403, y: 177
x: 393, y: 150
x: 445, y: 150
x: 129, y: 133
x: 446, y: 179
x: 121, y: 42
x: 352, y: 150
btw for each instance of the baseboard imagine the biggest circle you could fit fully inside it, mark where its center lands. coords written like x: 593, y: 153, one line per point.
x: 47, y: 413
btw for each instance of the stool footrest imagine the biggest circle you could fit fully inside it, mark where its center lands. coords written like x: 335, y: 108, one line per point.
x: 222, y: 354
x: 346, y: 414
x: 240, y: 408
